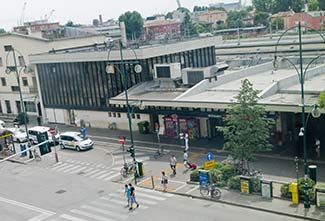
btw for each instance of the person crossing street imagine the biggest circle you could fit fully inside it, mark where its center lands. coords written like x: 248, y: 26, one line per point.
x: 173, y: 162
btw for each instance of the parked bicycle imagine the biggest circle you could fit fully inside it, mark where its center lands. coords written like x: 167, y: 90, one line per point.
x: 127, y: 169
x: 210, y: 190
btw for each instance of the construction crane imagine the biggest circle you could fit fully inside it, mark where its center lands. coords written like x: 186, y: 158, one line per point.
x: 22, y: 16
x: 47, y: 17
x: 179, y: 3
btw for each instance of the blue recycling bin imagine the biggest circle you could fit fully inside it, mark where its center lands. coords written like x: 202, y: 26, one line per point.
x: 22, y: 148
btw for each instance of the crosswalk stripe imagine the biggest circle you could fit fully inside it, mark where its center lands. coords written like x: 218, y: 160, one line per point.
x: 72, y: 168
x: 77, y: 170
x: 88, y: 170
x: 97, y: 174
x: 113, y: 176
x: 71, y: 218
x: 147, y: 202
x: 139, y: 159
x: 66, y: 167
x: 105, y: 175
x: 147, y: 195
x: 58, y: 166
x: 109, y: 205
x: 96, y: 217
x: 120, y: 202
x: 154, y: 192
x: 109, y: 213
x: 119, y: 167
x: 92, y: 172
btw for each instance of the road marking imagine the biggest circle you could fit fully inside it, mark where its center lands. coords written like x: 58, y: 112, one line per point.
x: 191, y: 190
x: 120, y: 202
x: 78, y: 170
x: 72, y: 218
x: 60, y: 165
x: 92, y: 172
x: 147, y: 195
x: 71, y: 169
x: 113, y: 176
x: 96, y: 217
x: 105, y: 175
x: 64, y: 168
x: 110, y: 213
x: 155, y: 192
x: 184, y: 185
x: 109, y: 205
x: 142, y: 200
x: 44, y: 213
x: 140, y: 159
x: 98, y: 174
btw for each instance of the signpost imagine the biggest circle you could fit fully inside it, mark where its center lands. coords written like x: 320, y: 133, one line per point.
x: 210, y: 162
x: 53, y: 131
x: 121, y: 140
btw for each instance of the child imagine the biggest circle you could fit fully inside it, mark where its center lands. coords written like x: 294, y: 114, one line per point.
x: 164, y: 180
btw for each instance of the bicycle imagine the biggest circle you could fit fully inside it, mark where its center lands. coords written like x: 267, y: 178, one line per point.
x: 210, y: 190
x: 127, y: 169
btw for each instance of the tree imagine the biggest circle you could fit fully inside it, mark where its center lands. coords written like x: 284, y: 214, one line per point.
x: 261, y: 18
x: 321, y: 5
x: 321, y: 100
x: 187, y: 27
x: 263, y: 5
x: 313, y: 5
x: 133, y: 24
x: 246, y: 130
x: 275, y: 6
x: 2, y: 31
x: 235, y: 19
x: 169, y: 15
x: 71, y: 24
x: 202, y: 27
x: 278, y: 23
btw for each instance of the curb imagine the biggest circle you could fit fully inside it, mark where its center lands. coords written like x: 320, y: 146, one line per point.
x: 238, y: 205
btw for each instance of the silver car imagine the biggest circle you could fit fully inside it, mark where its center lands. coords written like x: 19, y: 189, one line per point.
x: 74, y: 140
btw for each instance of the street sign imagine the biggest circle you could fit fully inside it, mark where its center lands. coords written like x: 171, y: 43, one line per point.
x: 52, y: 131
x: 121, y: 139
x: 174, y: 116
x: 209, y: 164
x: 209, y: 156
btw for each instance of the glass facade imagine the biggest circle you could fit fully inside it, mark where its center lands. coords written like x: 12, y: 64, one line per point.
x: 86, y: 85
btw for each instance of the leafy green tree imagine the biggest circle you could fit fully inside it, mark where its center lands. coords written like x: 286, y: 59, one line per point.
x: 275, y: 6
x: 2, y: 31
x: 261, y: 18
x: 202, y: 27
x: 71, y: 24
x: 183, y: 10
x: 321, y: 5
x: 235, y: 19
x: 321, y: 100
x: 187, y: 27
x: 246, y: 130
x: 278, y: 23
x: 264, y: 5
x: 133, y: 24
x: 200, y: 8
x: 169, y: 15
x: 313, y: 5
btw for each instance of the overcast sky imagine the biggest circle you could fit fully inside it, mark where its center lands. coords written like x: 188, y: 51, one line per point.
x: 83, y: 11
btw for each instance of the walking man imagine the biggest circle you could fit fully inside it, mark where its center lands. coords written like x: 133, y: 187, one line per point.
x: 133, y: 199
x: 164, y: 180
x: 186, y: 142
x: 185, y: 159
x: 127, y: 193
x: 173, y: 162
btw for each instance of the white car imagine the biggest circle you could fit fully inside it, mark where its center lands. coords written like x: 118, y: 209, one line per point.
x: 74, y: 140
x: 35, y: 131
x: 18, y: 134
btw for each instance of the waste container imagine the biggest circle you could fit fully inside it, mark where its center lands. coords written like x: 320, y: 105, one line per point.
x: 143, y: 127
x: 204, y: 177
x: 140, y: 169
x: 267, y: 188
x: 246, y: 185
x: 22, y: 148
x: 313, y: 172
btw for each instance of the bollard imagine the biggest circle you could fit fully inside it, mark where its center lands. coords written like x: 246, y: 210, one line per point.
x: 153, y: 183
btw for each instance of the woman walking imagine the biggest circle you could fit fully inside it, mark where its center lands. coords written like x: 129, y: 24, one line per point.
x: 173, y: 162
x: 133, y: 199
x: 164, y: 180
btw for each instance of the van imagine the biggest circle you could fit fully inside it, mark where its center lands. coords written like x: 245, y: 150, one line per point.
x: 35, y: 131
x: 74, y: 140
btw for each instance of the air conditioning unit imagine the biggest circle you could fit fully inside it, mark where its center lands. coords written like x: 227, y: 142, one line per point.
x: 170, y: 71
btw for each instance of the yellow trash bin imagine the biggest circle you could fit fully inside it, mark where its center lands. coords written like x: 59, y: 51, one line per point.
x: 293, y: 188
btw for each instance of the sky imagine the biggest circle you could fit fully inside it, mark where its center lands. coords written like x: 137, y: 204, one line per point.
x: 84, y: 11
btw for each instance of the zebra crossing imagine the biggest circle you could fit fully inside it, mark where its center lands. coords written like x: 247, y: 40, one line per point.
x: 96, y: 170
x: 112, y: 207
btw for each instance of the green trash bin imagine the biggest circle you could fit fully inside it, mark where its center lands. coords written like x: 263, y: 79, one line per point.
x: 143, y: 127
x: 140, y: 169
x: 313, y: 172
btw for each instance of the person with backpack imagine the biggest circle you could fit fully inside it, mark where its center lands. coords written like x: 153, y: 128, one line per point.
x: 164, y: 180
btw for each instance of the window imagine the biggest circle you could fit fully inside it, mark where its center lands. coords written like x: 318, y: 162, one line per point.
x: 8, y: 107
x: 133, y: 116
x: 25, y: 81
x: 114, y: 114
x: 21, y: 61
x: 119, y: 115
x: 1, y: 62
x: 3, y: 81
x: 138, y: 116
x: 30, y: 106
x: 109, y: 114
x: 0, y: 108
x: 14, y: 88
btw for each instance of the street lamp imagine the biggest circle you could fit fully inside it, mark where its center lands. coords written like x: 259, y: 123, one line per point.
x: 301, y: 75
x: 110, y: 69
x: 9, y: 69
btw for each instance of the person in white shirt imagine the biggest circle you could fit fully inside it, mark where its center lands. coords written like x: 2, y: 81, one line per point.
x: 173, y: 162
x: 185, y: 159
x: 317, y: 148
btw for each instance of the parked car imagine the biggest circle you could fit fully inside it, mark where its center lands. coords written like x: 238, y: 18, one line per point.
x: 35, y: 131
x: 74, y: 140
x: 18, y: 134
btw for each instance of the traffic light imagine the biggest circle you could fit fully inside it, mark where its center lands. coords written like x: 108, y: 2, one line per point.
x: 132, y: 151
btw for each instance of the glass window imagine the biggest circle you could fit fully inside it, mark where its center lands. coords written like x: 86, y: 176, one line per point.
x: 114, y: 114
x: 138, y: 116
x: 21, y: 61
x: 119, y: 115
x: 3, y: 82
x: 30, y: 106
x: 133, y: 116
x: 0, y: 108
x: 8, y: 106
x: 14, y: 88
x: 25, y: 81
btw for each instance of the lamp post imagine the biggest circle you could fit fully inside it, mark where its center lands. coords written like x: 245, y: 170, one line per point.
x: 110, y: 69
x: 301, y: 75
x: 9, y: 69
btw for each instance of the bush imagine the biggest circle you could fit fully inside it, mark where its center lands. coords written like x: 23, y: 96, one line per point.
x: 286, y: 194
x: 256, y: 185
x: 228, y: 171
x: 216, y: 176
x: 285, y: 191
x: 234, y: 183
x: 194, y: 177
x: 219, y: 165
x: 20, y: 119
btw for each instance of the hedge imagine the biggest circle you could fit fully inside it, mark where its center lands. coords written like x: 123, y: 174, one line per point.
x: 301, y: 181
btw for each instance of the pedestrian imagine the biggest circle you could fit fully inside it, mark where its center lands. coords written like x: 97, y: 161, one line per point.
x: 192, y: 166
x: 317, y: 148
x: 185, y: 159
x: 164, y: 180
x: 186, y: 142
x: 132, y: 197
x: 127, y: 193
x: 173, y: 162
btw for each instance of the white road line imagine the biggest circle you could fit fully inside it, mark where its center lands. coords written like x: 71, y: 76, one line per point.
x: 139, y: 159
x: 120, y: 202
x: 71, y: 218
x: 92, y: 172
x: 109, y: 213
x: 88, y: 170
x: 66, y: 167
x: 58, y: 166
x: 147, y: 202
x: 96, y: 217
x: 30, y: 207
x: 194, y: 188
x: 71, y: 169
x: 40, y: 217
x: 105, y: 175
x: 147, y: 195
x: 153, y: 192
x: 78, y: 170
x: 113, y: 176
x: 184, y: 185
x: 98, y: 174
